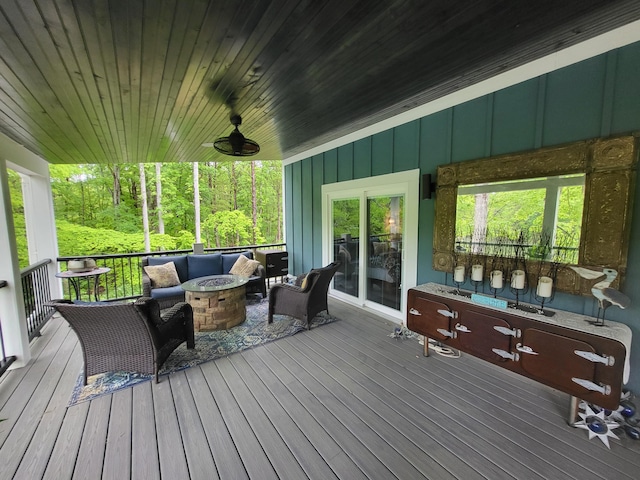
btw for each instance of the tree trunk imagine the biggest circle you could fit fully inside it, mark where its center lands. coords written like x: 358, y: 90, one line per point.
x: 481, y: 212
x: 117, y: 187
x: 196, y: 200
x: 159, y: 198
x: 145, y: 208
x: 234, y: 186
x: 254, y: 202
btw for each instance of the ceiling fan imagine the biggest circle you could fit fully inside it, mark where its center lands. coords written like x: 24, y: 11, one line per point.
x: 235, y: 144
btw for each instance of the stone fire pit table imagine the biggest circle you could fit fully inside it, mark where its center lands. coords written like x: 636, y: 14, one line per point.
x: 218, y: 301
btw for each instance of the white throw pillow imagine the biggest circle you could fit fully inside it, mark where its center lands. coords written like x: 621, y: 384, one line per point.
x: 162, y: 276
x: 244, y: 267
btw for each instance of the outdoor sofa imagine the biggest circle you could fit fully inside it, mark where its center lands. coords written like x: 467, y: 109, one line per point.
x: 192, y: 266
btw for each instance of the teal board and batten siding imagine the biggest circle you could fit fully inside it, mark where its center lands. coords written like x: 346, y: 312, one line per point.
x: 597, y: 97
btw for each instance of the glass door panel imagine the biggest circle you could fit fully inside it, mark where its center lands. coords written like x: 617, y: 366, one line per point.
x: 345, y: 233
x: 383, y: 269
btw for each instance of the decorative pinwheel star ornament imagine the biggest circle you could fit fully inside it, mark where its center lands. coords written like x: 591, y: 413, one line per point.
x: 596, y: 424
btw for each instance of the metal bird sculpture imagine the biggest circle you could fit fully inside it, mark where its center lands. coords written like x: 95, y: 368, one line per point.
x: 605, y: 295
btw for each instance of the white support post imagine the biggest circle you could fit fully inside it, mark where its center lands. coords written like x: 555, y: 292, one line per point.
x: 42, y: 238
x: 14, y: 324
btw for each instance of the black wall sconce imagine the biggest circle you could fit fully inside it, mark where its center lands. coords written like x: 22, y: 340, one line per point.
x: 428, y: 187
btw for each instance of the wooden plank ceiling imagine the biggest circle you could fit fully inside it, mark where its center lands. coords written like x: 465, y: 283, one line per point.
x: 107, y: 81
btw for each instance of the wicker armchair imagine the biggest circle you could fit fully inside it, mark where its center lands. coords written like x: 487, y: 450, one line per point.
x: 303, y: 303
x: 132, y: 337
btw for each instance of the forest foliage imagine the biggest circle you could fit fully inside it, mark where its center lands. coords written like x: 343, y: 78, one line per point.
x: 517, y: 216
x: 98, y: 208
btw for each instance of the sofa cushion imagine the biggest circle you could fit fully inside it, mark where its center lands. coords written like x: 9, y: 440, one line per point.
x: 180, y: 261
x: 244, y: 267
x: 380, y: 248
x: 229, y: 259
x: 204, y: 265
x: 159, y: 293
x: 164, y: 275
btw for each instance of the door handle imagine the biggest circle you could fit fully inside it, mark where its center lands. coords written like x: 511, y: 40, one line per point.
x: 447, y: 333
x: 516, y: 332
x: 589, y: 385
x: 594, y: 357
x: 504, y: 354
x: 525, y: 349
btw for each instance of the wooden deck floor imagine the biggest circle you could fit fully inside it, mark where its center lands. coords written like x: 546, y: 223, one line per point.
x: 340, y: 401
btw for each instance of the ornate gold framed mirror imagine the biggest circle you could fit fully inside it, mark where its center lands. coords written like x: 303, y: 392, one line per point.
x: 609, y: 168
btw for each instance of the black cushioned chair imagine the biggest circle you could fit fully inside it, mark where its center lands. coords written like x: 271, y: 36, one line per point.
x: 132, y: 337
x: 303, y: 303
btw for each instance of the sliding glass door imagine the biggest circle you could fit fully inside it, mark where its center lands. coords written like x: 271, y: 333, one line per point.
x: 383, y: 270
x: 346, y: 250
x: 365, y: 229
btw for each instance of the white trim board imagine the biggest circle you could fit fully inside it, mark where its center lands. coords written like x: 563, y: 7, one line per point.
x: 606, y: 42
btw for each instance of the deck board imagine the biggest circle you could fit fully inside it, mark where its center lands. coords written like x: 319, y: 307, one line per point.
x: 117, y: 456
x: 391, y: 446
x: 339, y: 401
x: 173, y: 460
x: 249, y: 447
x: 469, y: 418
x: 275, y: 447
x: 482, y: 386
x: 144, y: 445
x: 225, y: 455
x: 197, y: 450
x: 90, y: 458
x: 321, y: 439
x: 306, y: 455
x: 36, y: 456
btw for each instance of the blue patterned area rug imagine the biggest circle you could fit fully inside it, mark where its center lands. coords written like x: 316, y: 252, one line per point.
x: 209, y: 345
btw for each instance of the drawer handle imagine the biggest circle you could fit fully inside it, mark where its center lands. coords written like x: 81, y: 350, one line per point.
x: 462, y: 328
x: 525, y: 349
x: 447, y: 313
x: 504, y: 354
x: 413, y: 311
x: 594, y: 357
x: 516, y: 332
x: 284, y: 258
x: 270, y: 265
x: 447, y: 333
x: 603, y: 389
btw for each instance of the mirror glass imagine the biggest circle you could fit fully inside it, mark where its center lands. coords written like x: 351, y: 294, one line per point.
x: 544, y: 194
x: 542, y: 216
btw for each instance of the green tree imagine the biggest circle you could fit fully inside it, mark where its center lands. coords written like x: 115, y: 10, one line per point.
x: 229, y: 229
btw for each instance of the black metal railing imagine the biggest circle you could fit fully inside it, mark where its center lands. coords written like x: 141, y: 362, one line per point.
x: 36, y: 292
x: 124, y: 279
x: 5, y: 361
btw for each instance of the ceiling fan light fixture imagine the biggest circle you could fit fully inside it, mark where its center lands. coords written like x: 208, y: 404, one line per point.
x: 236, y: 144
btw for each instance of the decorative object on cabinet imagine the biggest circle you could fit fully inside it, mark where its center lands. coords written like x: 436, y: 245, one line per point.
x: 608, y: 166
x: 565, y: 351
x: 605, y: 295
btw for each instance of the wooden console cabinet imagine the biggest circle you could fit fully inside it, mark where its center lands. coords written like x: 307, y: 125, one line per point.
x: 565, y: 351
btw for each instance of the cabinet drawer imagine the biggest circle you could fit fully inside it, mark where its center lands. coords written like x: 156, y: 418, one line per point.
x: 430, y: 318
x: 478, y: 335
x: 553, y: 360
